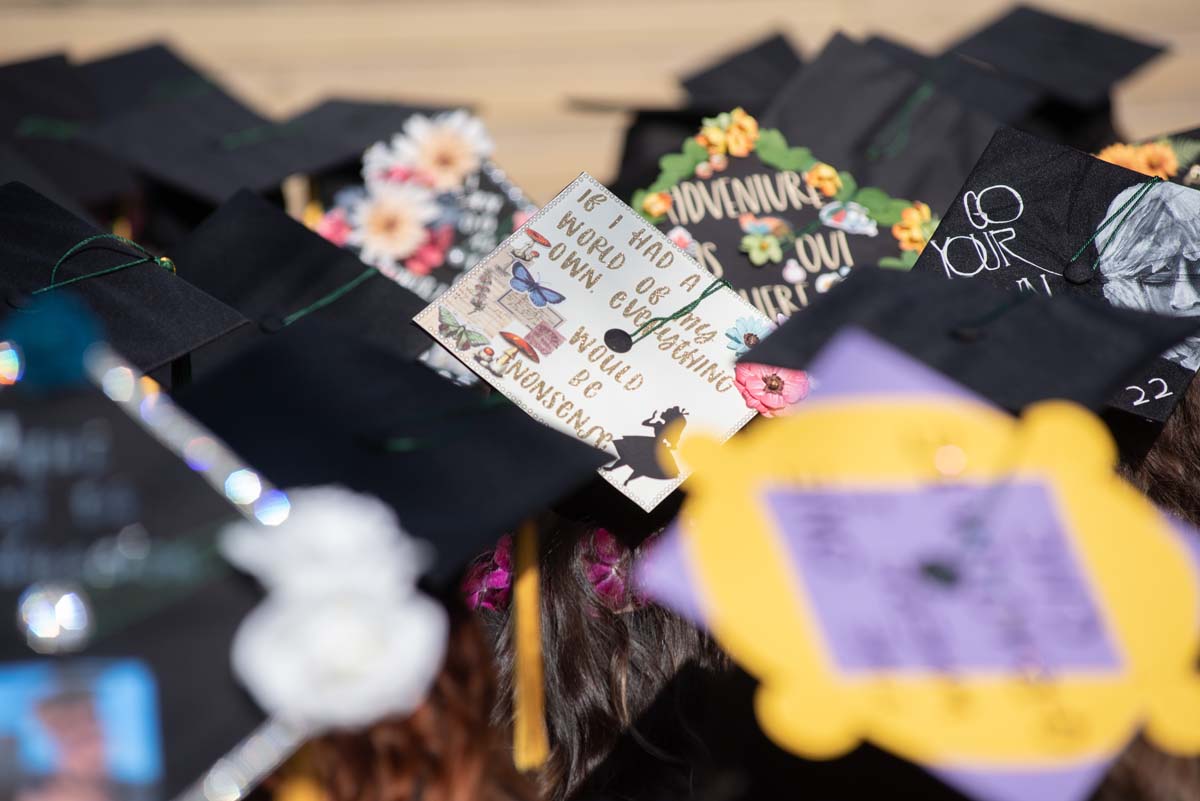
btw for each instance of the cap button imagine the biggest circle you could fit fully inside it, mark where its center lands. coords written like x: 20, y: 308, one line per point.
x: 1078, y: 273
x: 967, y: 333
x: 16, y: 299
x: 271, y: 324
x: 618, y: 341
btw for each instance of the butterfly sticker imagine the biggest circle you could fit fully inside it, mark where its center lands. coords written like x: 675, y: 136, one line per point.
x: 539, y: 295
x: 464, y: 338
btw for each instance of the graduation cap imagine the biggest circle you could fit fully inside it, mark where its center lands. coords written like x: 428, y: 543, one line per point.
x: 1001, y: 97
x: 1072, y: 65
x: 747, y: 77
x: 1076, y: 62
x: 115, y: 593
x: 901, y: 133
x: 142, y: 77
x: 1038, y: 217
x: 320, y: 406
x: 16, y: 167
x: 254, y: 257
x: 153, y: 315
x: 46, y: 110
x: 1013, y: 349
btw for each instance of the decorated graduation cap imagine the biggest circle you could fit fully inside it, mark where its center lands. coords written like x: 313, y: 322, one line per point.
x: 254, y: 257
x: 783, y: 218
x: 46, y: 110
x: 1014, y: 349
x: 152, y: 314
x: 747, y: 77
x: 429, y: 204
x: 1074, y: 64
x: 1041, y: 218
x: 916, y: 569
x: 115, y: 597
x: 895, y: 133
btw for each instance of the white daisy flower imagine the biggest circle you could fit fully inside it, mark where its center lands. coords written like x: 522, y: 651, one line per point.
x: 444, y: 149
x: 390, y: 223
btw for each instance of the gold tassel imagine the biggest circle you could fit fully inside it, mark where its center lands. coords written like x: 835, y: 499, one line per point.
x: 531, y: 744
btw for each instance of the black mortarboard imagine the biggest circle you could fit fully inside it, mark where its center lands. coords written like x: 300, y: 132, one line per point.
x: 16, y: 167
x: 1076, y: 62
x: 318, y: 406
x: 110, y: 559
x: 254, y: 257
x: 143, y: 77
x: 1040, y: 217
x: 650, y: 134
x: 1001, y: 97
x: 901, y: 133
x: 153, y: 316
x: 748, y: 77
x: 1013, y: 349
x: 1072, y: 66
x: 46, y: 109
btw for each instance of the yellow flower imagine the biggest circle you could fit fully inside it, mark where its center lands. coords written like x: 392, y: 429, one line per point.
x: 657, y: 204
x: 1120, y: 154
x: 742, y: 134
x: 914, y: 228
x: 714, y: 139
x: 1158, y: 158
x: 824, y: 178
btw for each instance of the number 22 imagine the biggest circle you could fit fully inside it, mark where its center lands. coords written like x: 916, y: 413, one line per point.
x: 1163, y: 393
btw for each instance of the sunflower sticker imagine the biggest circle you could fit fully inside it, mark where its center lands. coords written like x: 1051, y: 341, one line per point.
x: 979, y: 594
x: 774, y: 220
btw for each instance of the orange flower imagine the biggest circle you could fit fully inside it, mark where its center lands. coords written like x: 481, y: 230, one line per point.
x: 742, y: 134
x: 824, y: 178
x: 714, y: 139
x: 915, y: 227
x: 657, y: 204
x: 1158, y: 158
x: 1122, y: 155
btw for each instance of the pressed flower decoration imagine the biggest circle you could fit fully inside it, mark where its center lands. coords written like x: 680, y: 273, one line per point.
x: 770, y: 390
x: 343, y: 637
x: 916, y: 226
x: 683, y: 239
x: 824, y: 179
x: 745, y: 334
x: 764, y: 238
x: 440, y: 151
x: 1163, y: 158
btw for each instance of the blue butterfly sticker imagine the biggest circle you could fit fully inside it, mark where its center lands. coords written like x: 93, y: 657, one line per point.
x: 539, y: 295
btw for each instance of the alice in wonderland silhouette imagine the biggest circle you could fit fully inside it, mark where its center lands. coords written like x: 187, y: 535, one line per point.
x: 643, y: 454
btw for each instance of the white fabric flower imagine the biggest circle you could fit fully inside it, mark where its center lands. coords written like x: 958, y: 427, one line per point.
x: 390, y: 223
x: 344, y: 637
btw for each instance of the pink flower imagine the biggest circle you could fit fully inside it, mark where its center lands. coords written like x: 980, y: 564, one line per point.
x: 399, y: 174
x: 767, y: 389
x: 521, y: 217
x: 431, y: 254
x: 488, y: 583
x: 603, y: 565
x: 335, y: 227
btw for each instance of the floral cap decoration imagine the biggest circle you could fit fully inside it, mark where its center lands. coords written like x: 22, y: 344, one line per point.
x: 343, y: 637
